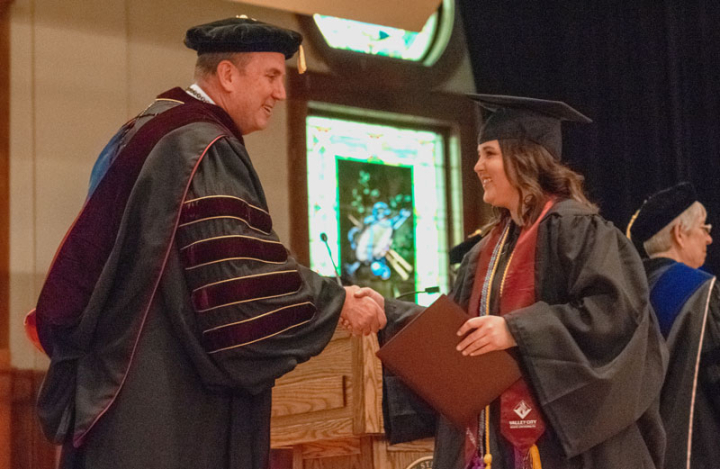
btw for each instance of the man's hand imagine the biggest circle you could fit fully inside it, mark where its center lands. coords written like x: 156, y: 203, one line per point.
x: 367, y: 291
x: 490, y: 333
x: 363, y: 311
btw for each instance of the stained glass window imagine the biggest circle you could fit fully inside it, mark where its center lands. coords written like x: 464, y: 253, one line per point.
x: 378, y: 192
x: 375, y: 39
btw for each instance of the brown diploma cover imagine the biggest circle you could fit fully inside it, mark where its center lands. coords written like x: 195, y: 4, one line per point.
x: 423, y: 355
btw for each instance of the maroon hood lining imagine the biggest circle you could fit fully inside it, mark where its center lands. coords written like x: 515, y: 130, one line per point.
x: 83, y: 253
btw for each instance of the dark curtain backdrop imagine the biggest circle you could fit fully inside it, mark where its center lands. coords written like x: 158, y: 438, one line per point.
x: 646, y: 72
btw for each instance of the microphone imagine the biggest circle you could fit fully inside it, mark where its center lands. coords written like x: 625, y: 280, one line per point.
x: 427, y: 290
x: 324, y: 239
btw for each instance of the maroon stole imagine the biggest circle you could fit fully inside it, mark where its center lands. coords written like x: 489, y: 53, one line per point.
x: 520, y: 420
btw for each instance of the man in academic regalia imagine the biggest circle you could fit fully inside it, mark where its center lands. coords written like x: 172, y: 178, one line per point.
x: 171, y: 307
x: 670, y: 228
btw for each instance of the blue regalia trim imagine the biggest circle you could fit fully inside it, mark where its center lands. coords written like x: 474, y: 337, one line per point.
x: 672, y: 290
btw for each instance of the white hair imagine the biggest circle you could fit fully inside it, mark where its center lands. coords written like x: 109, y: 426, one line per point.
x: 662, y: 240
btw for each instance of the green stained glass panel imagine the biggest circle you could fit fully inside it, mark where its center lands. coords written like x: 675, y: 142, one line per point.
x: 375, y: 39
x: 387, y: 226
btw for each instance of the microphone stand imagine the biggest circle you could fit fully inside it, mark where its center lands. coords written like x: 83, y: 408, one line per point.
x: 324, y: 239
x: 427, y: 290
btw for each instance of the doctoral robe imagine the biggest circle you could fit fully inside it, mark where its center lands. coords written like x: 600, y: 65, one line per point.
x: 589, y: 348
x: 171, y: 306
x: 687, y: 303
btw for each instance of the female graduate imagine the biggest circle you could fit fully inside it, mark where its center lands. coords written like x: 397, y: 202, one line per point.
x: 563, y: 289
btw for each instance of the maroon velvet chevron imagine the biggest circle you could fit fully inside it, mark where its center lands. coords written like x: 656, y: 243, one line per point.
x: 245, y: 289
x: 258, y: 328
x: 232, y: 247
x: 225, y: 206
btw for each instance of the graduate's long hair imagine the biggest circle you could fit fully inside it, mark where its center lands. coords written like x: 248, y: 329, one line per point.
x: 538, y: 175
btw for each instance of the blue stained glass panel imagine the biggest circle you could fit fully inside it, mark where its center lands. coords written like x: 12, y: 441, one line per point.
x: 388, y: 227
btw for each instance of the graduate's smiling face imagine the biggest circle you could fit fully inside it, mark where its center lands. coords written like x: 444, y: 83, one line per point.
x: 490, y: 168
x: 254, y: 90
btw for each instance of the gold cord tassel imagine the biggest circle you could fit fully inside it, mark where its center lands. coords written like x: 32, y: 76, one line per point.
x: 632, y: 221
x: 487, y: 459
x: 535, y: 457
x: 301, y: 64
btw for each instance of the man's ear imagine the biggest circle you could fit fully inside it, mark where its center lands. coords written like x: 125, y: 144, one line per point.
x: 678, y: 235
x: 226, y: 75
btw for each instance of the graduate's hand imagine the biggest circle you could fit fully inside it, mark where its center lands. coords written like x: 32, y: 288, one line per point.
x: 361, y: 314
x: 486, y: 333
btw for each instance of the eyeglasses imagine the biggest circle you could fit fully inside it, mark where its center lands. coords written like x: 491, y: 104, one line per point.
x: 707, y: 227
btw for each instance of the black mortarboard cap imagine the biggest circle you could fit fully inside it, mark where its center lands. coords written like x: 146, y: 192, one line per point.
x: 658, y: 211
x: 519, y: 118
x: 242, y: 34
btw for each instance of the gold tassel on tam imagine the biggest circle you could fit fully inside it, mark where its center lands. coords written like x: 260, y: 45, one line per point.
x: 632, y: 221
x: 301, y: 65
x: 535, y: 457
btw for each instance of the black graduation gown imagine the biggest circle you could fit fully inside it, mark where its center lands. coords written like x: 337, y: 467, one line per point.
x: 198, y: 309
x: 589, y: 348
x: 688, y: 303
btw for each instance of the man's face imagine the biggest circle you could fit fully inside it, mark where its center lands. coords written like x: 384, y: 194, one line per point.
x: 697, y: 239
x: 258, y: 87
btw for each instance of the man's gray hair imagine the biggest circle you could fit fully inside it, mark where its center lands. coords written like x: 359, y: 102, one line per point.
x: 662, y: 240
x: 206, y: 65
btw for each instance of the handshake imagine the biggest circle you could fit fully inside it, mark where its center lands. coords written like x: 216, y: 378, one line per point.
x: 363, y: 311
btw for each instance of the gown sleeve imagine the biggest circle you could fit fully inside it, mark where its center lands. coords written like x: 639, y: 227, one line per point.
x: 710, y: 360
x: 406, y: 416
x: 592, y: 350
x: 258, y: 312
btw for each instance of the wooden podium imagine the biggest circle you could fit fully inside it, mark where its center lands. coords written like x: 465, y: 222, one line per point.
x: 327, y: 413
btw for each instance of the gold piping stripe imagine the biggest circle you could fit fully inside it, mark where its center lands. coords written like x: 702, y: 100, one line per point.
x: 171, y: 100
x: 257, y: 317
x: 695, y: 375
x: 261, y: 338
x: 494, y: 268
x: 248, y: 301
x: 225, y: 216
x: 225, y: 197
x: 507, y: 268
x: 229, y: 236
x: 235, y: 259
x: 632, y: 221
x: 247, y: 276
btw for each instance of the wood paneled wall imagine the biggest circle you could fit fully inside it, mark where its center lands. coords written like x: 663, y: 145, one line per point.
x: 4, y: 173
x: 5, y: 370
x: 22, y: 444
x: 5, y: 408
x: 30, y: 449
